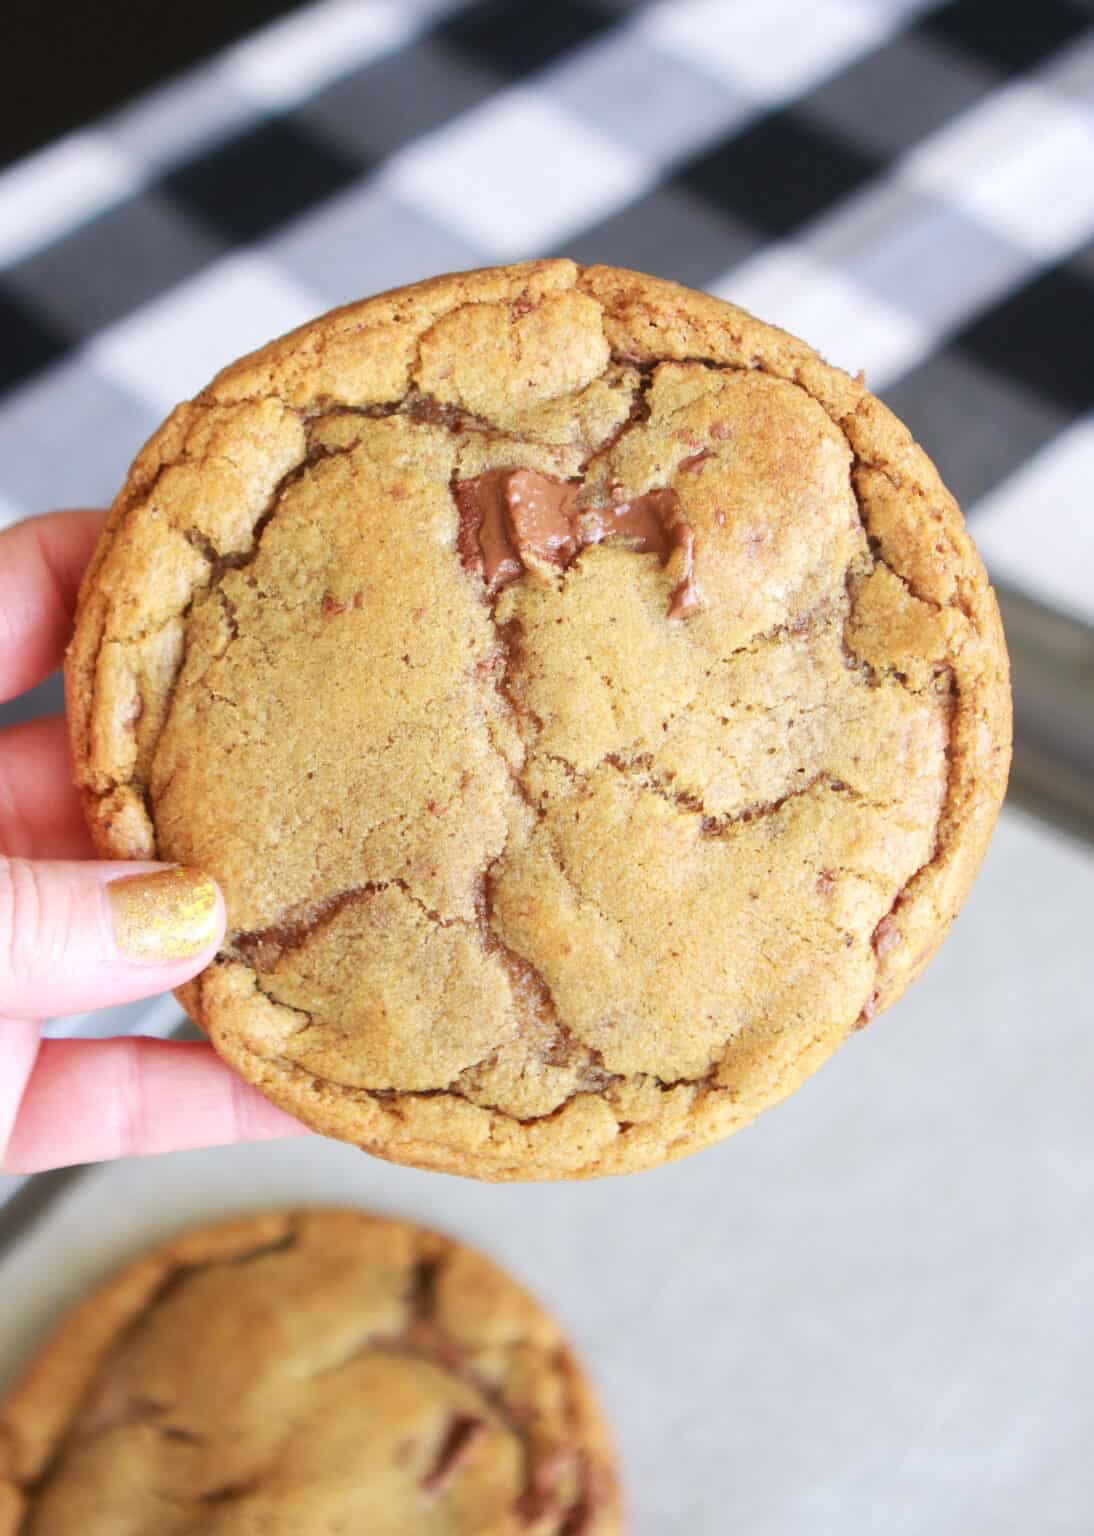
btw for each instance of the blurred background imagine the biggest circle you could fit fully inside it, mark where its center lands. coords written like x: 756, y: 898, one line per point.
x: 874, y: 1309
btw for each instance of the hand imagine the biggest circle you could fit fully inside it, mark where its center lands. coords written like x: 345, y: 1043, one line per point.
x: 76, y: 934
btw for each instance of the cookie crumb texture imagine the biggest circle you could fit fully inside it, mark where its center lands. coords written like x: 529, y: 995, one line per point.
x: 589, y: 701
x: 314, y: 1372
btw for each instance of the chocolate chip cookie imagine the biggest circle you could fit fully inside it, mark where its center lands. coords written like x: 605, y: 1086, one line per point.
x: 313, y: 1372
x: 589, y: 701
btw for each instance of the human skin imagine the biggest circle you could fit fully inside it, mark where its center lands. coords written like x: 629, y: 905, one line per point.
x: 70, y: 943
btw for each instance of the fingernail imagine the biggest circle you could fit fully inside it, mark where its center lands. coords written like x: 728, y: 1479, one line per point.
x: 168, y: 915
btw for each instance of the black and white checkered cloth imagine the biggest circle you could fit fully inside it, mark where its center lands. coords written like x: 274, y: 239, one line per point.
x: 907, y: 185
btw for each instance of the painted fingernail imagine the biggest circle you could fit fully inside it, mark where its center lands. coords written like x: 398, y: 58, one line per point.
x: 167, y: 915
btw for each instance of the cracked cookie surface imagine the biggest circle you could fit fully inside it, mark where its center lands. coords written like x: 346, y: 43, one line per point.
x: 309, y: 1371
x: 589, y: 701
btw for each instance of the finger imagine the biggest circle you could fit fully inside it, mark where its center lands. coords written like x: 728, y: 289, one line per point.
x: 41, y: 562
x: 40, y: 813
x: 87, y: 1100
x: 18, y: 1050
x: 77, y: 936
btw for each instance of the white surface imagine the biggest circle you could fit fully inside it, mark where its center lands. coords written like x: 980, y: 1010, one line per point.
x: 869, y: 1313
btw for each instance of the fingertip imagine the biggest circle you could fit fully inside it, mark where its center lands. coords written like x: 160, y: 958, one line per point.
x: 84, y: 935
x: 168, y: 915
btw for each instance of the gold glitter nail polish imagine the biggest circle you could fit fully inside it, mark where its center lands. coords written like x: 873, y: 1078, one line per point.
x: 167, y: 915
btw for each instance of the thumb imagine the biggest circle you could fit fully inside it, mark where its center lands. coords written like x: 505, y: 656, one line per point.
x: 76, y: 936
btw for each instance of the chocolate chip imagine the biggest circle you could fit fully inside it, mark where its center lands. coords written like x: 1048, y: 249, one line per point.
x: 513, y: 518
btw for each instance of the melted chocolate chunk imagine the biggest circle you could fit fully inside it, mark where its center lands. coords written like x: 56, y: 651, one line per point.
x: 484, y: 540
x: 514, y: 518
x: 542, y: 514
x: 686, y: 598
x: 642, y: 524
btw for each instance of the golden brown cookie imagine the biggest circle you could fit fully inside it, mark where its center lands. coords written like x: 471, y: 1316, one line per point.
x: 589, y: 701
x: 306, y: 1372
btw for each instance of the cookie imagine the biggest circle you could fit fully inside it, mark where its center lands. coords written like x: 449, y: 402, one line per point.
x: 589, y: 701
x: 313, y: 1371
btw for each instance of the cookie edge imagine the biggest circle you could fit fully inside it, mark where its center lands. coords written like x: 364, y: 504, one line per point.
x: 38, y: 1408
x: 687, y: 325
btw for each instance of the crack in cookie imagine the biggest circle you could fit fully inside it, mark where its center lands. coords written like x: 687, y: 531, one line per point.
x: 425, y: 1369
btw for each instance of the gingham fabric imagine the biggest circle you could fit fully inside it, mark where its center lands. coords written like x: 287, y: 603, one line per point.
x: 908, y: 186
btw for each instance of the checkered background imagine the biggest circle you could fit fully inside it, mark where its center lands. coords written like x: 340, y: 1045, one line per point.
x: 909, y: 186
